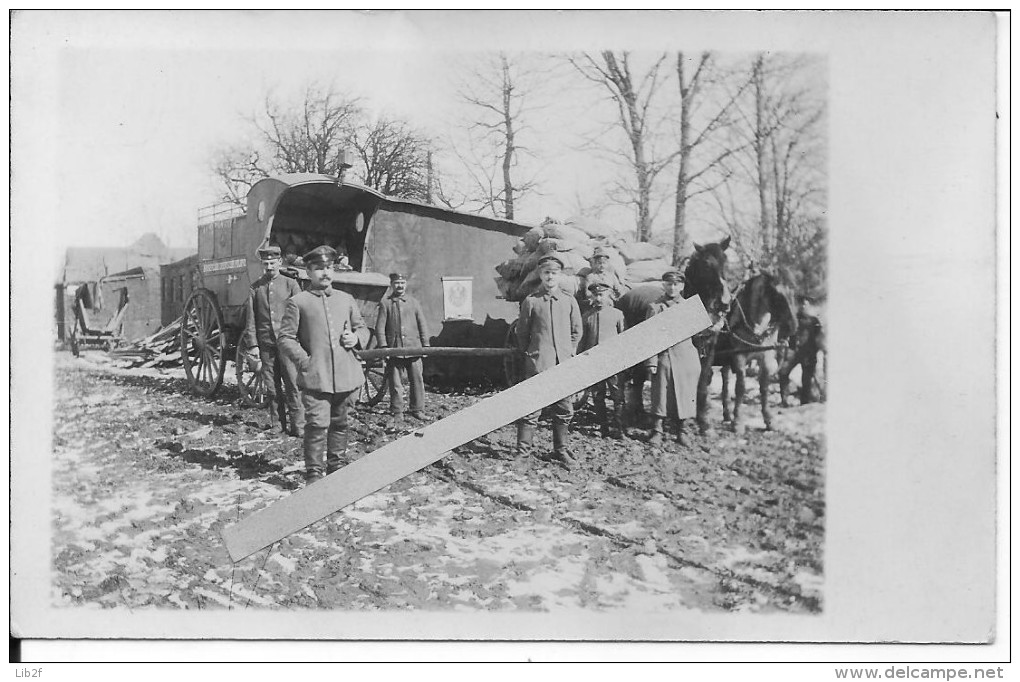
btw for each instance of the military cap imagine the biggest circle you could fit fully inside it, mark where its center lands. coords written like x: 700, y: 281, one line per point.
x: 323, y: 254
x: 551, y: 259
x: 270, y: 251
x: 599, y: 252
x: 673, y: 275
x: 397, y: 277
x: 598, y: 287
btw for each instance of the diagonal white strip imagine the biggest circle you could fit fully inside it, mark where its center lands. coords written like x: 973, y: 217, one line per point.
x: 395, y: 460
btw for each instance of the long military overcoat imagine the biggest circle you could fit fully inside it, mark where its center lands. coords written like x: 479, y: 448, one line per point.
x: 676, y: 378
x: 310, y: 336
x: 548, y: 330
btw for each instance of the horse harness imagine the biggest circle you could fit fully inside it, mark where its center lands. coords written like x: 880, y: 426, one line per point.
x: 701, y: 340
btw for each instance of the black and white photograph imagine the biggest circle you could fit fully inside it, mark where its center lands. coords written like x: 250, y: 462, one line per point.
x: 506, y: 325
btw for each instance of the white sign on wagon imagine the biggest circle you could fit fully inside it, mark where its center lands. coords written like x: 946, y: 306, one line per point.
x: 457, y: 298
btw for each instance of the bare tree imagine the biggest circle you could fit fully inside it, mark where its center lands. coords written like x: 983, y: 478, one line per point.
x: 312, y: 135
x: 395, y: 159
x: 695, y: 175
x: 500, y: 93
x: 634, y: 96
x: 781, y: 165
x: 236, y: 168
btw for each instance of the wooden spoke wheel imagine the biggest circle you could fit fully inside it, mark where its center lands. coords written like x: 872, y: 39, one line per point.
x: 374, y: 388
x: 203, y: 343
x: 375, y: 383
x: 250, y: 383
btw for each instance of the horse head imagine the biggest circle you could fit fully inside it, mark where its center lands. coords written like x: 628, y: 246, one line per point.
x: 761, y: 306
x: 705, y: 276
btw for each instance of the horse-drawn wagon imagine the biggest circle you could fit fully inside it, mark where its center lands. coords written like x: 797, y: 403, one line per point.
x: 445, y: 254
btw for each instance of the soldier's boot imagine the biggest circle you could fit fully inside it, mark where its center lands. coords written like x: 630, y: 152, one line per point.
x: 616, y: 430
x: 561, y: 451
x: 336, y: 451
x: 296, y: 421
x: 602, y: 418
x: 635, y: 403
x: 396, y: 423
x: 681, y: 438
x: 525, y: 437
x: 274, y: 418
x: 656, y: 437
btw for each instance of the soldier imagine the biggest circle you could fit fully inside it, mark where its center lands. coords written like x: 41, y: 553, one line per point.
x: 600, y: 322
x: 265, y: 306
x: 675, y: 371
x: 320, y: 329
x: 401, y: 324
x: 548, y: 332
x: 601, y: 271
x: 804, y: 348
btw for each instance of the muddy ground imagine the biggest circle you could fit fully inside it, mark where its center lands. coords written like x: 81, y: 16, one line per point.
x: 145, y: 476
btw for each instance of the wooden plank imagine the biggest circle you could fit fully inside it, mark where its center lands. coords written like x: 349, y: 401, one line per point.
x: 395, y: 460
x: 442, y: 351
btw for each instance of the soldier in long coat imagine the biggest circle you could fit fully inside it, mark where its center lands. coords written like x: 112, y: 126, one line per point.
x: 548, y: 331
x: 321, y: 328
x: 401, y: 324
x: 675, y: 371
x: 265, y: 306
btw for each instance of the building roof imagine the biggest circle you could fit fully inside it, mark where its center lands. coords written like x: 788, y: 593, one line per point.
x: 91, y: 263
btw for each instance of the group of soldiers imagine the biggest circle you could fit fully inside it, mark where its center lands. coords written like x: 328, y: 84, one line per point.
x: 306, y: 340
x: 554, y: 325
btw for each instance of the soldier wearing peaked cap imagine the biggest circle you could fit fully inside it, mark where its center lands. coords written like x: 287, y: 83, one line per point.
x: 602, y: 272
x: 548, y: 331
x: 321, y: 329
x: 602, y: 321
x: 401, y: 324
x: 264, y: 316
x: 675, y: 371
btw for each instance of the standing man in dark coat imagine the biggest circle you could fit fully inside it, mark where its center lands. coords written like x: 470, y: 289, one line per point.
x: 548, y: 332
x: 321, y: 328
x: 269, y: 295
x: 675, y: 371
x: 601, y: 321
x: 401, y: 324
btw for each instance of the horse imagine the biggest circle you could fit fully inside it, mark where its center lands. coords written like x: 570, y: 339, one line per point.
x: 705, y: 276
x: 759, y: 320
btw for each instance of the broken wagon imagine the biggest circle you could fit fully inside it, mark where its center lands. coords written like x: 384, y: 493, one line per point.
x: 446, y: 255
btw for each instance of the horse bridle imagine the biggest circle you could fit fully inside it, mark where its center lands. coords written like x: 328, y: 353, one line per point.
x: 747, y: 346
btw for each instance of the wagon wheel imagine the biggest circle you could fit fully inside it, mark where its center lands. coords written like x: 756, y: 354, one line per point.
x: 374, y: 388
x: 375, y: 383
x: 203, y: 343
x: 249, y: 379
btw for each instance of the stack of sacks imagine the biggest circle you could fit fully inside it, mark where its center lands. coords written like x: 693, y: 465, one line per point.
x: 573, y: 242
x: 645, y: 262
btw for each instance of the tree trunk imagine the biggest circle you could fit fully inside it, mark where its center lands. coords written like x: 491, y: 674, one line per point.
x: 508, y: 149
x: 680, y: 216
x: 760, y: 135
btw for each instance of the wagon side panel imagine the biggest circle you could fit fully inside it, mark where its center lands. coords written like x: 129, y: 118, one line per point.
x: 427, y: 248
